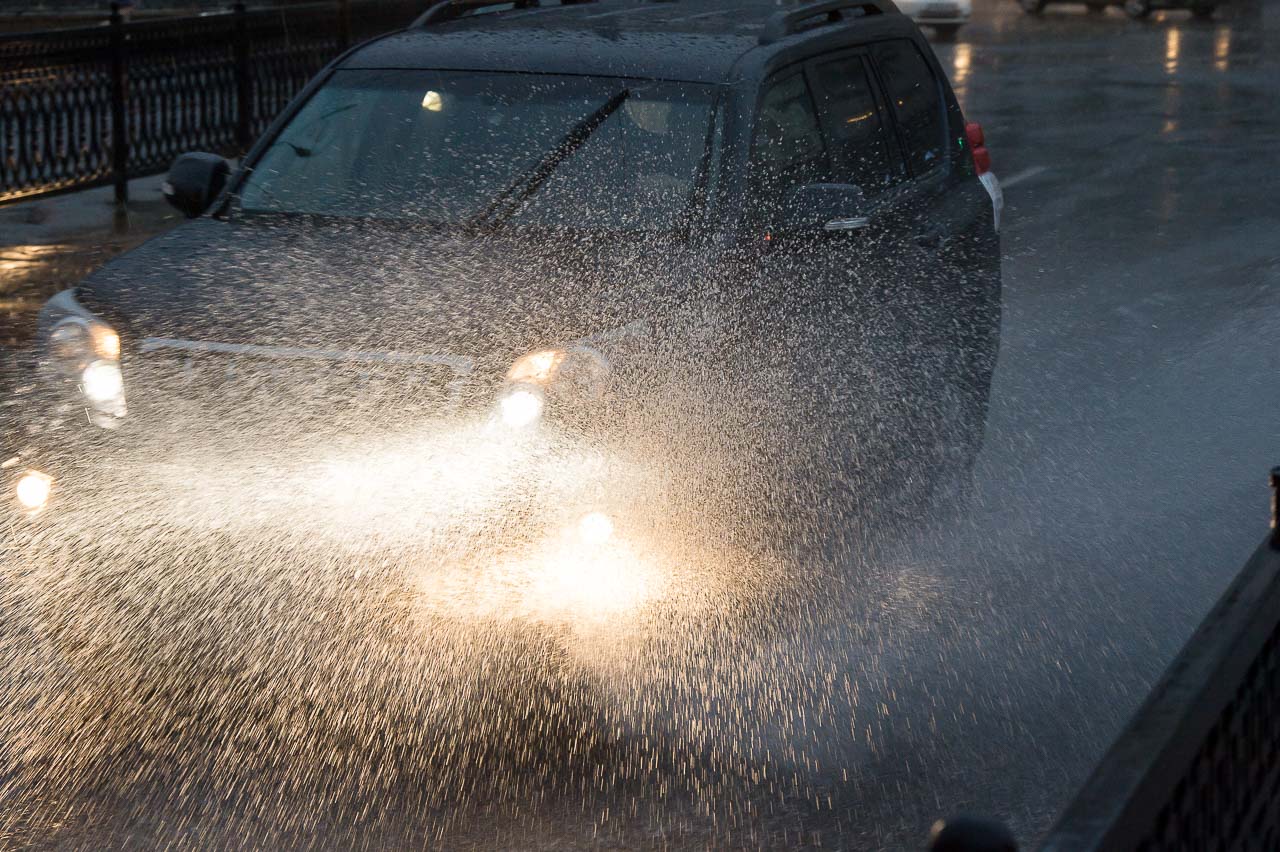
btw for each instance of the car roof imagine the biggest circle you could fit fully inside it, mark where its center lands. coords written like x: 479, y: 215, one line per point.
x: 690, y: 40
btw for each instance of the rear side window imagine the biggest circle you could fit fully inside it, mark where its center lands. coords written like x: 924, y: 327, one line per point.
x: 913, y: 91
x: 862, y: 149
x: 787, y: 150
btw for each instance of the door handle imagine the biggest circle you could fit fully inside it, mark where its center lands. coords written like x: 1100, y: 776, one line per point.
x: 853, y: 223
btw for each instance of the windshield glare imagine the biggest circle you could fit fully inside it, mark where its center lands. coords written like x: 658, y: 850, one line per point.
x: 441, y: 146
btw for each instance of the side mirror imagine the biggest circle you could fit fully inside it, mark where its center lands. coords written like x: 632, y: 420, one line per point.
x: 194, y: 181
x: 818, y: 207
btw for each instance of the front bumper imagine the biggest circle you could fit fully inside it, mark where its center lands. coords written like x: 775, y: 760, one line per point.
x: 472, y: 521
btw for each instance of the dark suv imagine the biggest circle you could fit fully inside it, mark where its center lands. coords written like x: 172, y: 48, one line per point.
x: 634, y: 270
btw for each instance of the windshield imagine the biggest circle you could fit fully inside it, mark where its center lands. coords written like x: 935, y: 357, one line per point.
x: 443, y: 145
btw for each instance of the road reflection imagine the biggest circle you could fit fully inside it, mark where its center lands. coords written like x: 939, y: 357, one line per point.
x: 960, y: 68
x: 1172, y: 47
x: 1222, y: 49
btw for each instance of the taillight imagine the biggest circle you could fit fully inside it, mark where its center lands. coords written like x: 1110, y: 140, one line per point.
x: 977, y: 144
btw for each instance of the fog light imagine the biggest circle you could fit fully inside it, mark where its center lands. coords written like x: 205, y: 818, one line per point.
x: 102, y: 382
x: 595, y: 528
x: 520, y: 408
x: 33, y: 490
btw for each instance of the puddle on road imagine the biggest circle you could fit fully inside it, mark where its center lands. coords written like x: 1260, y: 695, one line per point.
x: 29, y: 274
x: 24, y: 267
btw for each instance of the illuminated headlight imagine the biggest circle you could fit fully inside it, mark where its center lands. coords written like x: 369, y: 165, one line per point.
x: 537, y: 368
x: 33, y: 490
x: 75, y: 342
x: 82, y: 348
x: 520, y: 407
x: 103, y: 385
x: 595, y: 528
x: 551, y: 376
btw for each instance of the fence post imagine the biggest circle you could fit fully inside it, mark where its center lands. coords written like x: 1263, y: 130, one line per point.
x: 344, y: 24
x: 119, y: 111
x: 244, y: 81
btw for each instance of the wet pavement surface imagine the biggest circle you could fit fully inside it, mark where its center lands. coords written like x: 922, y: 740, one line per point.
x: 1122, y: 486
x: 1124, y: 478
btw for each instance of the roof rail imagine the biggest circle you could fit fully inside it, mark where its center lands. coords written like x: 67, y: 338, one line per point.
x: 449, y: 10
x: 782, y: 24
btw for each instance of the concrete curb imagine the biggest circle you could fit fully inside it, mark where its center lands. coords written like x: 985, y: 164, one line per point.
x: 78, y: 216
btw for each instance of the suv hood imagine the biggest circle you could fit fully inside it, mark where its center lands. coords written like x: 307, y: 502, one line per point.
x: 356, y: 286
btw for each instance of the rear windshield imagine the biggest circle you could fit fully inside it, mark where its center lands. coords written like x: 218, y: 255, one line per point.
x: 442, y: 145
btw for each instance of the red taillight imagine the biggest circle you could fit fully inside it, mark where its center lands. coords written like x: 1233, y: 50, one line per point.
x: 981, y: 161
x: 974, y: 131
x: 977, y: 144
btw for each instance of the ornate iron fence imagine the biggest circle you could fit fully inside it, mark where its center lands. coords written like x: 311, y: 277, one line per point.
x: 85, y: 107
x: 55, y: 111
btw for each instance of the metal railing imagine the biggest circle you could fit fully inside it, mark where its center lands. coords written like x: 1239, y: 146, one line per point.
x: 97, y: 105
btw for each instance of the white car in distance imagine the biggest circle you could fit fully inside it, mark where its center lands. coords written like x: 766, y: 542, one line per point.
x: 944, y: 17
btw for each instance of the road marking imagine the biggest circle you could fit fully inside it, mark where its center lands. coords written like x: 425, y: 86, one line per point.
x: 1024, y: 175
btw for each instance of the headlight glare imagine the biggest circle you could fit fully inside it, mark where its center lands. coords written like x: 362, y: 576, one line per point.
x: 33, y: 490
x: 595, y: 528
x: 520, y: 407
x: 102, y: 382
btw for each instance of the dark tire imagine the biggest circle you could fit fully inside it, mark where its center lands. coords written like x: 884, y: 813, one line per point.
x: 1137, y: 9
x: 946, y: 33
x: 1032, y: 7
x: 1203, y: 11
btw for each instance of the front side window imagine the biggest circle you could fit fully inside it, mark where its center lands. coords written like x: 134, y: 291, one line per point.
x: 442, y: 146
x: 913, y: 94
x: 860, y: 142
x: 787, y: 150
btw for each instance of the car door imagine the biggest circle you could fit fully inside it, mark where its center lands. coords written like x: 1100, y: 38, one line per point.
x: 867, y: 267
x: 836, y: 342
x: 883, y: 316
x: 926, y: 214
x: 941, y: 211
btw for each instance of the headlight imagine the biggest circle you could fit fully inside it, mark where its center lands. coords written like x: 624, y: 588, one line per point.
x: 75, y: 342
x: 33, y: 490
x: 520, y: 407
x: 580, y: 370
x: 82, y: 348
x: 524, y: 396
x: 537, y: 368
x: 102, y: 382
x: 550, y: 377
x: 595, y: 528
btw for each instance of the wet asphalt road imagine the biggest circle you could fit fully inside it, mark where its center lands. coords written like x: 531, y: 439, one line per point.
x: 1134, y: 418
x: 1124, y: 480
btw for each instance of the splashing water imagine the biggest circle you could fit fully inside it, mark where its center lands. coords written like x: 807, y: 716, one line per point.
x: 326, y: 607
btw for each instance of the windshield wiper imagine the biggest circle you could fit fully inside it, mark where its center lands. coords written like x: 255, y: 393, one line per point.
x: 514, y: 196
x: 302, y: 150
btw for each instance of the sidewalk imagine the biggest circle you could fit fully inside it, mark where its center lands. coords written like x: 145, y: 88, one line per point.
x: 47, y: 245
